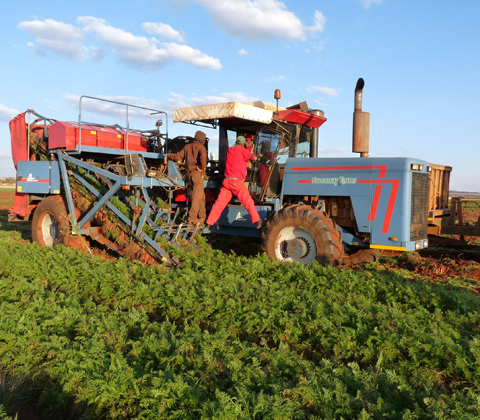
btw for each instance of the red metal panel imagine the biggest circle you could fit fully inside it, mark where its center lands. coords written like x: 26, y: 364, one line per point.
x: 65, y: 135
x: 18, y: 134
x: 136, y: 142
x: 110, y: 137
x: 299, y: 117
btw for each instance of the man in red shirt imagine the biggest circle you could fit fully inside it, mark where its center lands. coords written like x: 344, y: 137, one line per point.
x: 235, y: 171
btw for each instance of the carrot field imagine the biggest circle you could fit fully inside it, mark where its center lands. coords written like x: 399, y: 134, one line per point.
x: 236, y: 335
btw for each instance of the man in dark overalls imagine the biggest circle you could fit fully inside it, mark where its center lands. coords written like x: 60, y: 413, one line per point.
x: 195, y: 156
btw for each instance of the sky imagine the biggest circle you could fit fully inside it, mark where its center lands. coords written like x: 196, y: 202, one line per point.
x: 420, y: 61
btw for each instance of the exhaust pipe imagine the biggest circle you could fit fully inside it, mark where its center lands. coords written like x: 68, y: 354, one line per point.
x: 361, y: 123
x: 314, y: 140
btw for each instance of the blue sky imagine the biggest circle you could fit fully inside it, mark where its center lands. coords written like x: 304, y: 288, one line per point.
x: 420, y: 61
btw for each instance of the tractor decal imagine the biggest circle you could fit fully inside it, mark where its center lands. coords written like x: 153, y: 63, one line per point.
x: 378, y: 188
x: 376, y: 198
x: 31, y: 178
x: 334, y: 181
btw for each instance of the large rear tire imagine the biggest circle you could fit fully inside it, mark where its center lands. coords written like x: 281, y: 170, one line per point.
x: 303, y: 234
x: 50, y: 225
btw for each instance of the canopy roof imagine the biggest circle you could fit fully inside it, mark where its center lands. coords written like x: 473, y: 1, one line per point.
x: 258, y: 111
x: 224, y: 110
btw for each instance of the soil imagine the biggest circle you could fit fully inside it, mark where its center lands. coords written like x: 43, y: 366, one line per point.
x: 444, y: 259
x: 447, y: 257
x: 28, y: 412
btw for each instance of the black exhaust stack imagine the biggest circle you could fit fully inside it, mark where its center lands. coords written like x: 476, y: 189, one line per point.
x: 361, y: 123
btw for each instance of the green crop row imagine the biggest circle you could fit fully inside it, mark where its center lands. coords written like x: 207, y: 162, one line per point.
x: 3, y: 414
x: 233, y: 337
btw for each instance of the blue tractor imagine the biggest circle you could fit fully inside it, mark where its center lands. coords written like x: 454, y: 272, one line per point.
x: 81, y: 182
x: 324, y: 209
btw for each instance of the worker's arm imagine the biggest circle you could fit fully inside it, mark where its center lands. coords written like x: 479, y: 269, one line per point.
x: 177, y: 156
x: 248, y: 155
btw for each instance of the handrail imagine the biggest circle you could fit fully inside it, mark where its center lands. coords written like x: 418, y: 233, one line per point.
x: 154, y: 111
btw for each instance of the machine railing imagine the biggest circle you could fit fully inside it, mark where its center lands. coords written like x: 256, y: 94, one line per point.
x: 127, y: 118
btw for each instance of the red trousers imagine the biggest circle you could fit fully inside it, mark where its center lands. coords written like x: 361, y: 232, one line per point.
x: 230, y: 188
x: 262, y: 173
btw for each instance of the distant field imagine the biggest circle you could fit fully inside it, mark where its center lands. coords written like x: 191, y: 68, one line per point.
x: 471, y: 196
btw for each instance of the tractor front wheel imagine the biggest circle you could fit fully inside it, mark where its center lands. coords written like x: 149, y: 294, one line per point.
x: 303, y: 234
x: 50, y: 225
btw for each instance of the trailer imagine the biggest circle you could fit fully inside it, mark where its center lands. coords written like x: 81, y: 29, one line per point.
x: 81, y: 182
x: 446, y: 215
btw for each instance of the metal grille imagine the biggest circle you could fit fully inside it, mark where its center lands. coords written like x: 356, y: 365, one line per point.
x: 420, y: 185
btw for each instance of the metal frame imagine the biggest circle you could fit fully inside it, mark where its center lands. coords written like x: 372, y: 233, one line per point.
x: 161, y: 222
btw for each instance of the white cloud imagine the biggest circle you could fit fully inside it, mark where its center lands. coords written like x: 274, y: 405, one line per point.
x: 6, y: 114
x: 260, y: 20
x: 367, y: 3
x: 136, y: 51
x: 163, y: 30
x: 35, y: 50
x: 176, y: 100
x: 61, y: 38
x: 149, y: 54
x: 274, y: 78
x: 224, y: 97
x: 97, y: 54
x: 242, y: 52
x: 192, y: 56
x: 319, y: 22
x: 324, y: 90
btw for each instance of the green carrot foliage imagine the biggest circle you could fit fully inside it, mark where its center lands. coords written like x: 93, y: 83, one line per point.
x: 235, y: 338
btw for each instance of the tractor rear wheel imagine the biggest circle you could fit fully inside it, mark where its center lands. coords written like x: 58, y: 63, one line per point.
x: 50, y: 225
x: 303, y: 234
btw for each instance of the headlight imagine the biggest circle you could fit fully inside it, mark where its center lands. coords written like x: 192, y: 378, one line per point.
x: 417, y: 167
x: 417, y: 246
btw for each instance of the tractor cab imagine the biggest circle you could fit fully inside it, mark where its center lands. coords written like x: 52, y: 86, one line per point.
x: 269, y: 145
